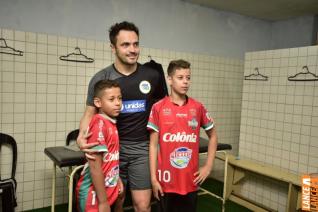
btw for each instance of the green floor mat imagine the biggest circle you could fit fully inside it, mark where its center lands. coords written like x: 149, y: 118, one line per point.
x: 206, y: 203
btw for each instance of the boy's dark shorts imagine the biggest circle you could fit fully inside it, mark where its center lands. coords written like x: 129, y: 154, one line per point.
x: 172, y: 202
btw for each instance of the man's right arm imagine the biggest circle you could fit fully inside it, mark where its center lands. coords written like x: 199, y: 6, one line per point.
x: 90, y: 111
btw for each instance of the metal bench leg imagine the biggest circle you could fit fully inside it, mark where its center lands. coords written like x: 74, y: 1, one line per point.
x: 225, y: 180
x: 53, y: 188
x: 70, y: 187
x: 223, y: 198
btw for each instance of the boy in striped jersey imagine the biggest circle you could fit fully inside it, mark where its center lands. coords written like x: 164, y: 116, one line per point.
x: 99, y: 184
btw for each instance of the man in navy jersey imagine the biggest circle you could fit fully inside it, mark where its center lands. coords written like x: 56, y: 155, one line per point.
x: 141, y: 88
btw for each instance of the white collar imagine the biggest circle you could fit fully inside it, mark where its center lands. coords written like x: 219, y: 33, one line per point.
x: 108, y: 118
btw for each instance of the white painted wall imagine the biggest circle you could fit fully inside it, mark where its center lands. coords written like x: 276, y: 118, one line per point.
x: 295, y: 32
x: 165, y: 24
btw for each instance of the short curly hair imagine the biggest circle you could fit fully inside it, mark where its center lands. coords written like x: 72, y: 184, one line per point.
x: 115, y: 29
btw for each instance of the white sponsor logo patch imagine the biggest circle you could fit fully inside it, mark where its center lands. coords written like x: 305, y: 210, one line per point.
x: 112, y: 177
x: 182, y: 115
x: 111, y: 156
x: 133, y: 106
x: 180, y: 157
x: 179, y: 137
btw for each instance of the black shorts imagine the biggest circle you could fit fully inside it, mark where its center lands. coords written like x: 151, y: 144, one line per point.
x: 172, y: 202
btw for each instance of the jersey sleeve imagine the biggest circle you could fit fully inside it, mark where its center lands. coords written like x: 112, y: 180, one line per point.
x: 207, y: 122
x: 153, y: 121
x: 97, y: 128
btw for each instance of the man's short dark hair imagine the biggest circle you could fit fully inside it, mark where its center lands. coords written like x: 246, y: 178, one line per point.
x: 115, y: 29
x: 101, y: 85
x: 177, y: 64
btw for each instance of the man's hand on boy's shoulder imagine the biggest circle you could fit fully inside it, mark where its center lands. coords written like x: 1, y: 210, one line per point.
x: 84, y: 146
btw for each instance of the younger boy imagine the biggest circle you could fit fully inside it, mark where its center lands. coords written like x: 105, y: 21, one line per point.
x: 175, y: 123
x: 99, y: 184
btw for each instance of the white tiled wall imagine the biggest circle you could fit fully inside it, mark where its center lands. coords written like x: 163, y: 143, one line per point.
x: 279, y: 120
x: 43, y: 98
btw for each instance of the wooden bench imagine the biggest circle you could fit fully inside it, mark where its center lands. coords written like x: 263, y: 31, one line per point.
x: 236, y: 169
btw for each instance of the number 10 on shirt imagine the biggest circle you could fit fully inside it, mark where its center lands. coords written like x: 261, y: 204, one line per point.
x: 164, y: 175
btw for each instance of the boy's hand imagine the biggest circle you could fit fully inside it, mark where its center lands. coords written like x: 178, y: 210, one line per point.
x: 156, y: 190
x: 121, y: 187
x: 84, y: 146
x: 104, y: 206
x: 201, y: 175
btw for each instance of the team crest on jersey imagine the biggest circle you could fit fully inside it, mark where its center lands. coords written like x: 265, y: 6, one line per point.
x: 208, y: 116
x: 193, y: 123
x: 100, y: 131
x: 112, y: 177
x: 110, y: 131
x: 144, y: 87
x: 193, y: 112
x: 166, y: 111
x: 180, y: 157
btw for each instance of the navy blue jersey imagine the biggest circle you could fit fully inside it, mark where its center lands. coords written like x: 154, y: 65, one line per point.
x: 140, y: 90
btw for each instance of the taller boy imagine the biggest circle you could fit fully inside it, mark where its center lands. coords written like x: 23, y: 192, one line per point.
x: 175, y: 123
x: 141, y: 88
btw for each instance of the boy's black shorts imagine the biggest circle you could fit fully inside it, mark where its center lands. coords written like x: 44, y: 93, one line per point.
x: 172, y: 202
